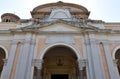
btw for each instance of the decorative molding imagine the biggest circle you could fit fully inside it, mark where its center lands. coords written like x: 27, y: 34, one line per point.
x: 115, y: 61
x: 5, y: 61
x: 37, y: 63
x: 82, y: 63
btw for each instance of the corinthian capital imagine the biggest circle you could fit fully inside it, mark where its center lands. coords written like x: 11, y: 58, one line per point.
x: 82, y: 63
x: 37, y: 63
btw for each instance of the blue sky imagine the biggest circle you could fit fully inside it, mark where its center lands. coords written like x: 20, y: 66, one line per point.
x: 106, y: 10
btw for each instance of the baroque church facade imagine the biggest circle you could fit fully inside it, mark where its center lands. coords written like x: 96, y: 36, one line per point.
x: 59, y: 42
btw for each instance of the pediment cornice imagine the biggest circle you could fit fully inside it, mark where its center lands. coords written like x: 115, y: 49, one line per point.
x: 77, y: 24
x: 85, y: 28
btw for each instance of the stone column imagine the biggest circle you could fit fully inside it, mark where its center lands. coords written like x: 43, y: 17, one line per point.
x: 95, y: 64
x: 22, y: 64
x: 38, y: 64
x: 81, y: 64
x: 29, y: 61
x: 38, y: 73
x: 111, y: 65
x: 8, y: 67
x: 89, y: 58
x: 97, y: 60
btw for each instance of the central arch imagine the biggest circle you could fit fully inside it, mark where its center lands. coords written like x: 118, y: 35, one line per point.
x: 60, y: 61
x: 76, y: 52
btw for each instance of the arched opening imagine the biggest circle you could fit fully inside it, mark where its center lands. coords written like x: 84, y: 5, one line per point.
x: 2, y: 57
x: 117, y: 57
x: 60, y: 62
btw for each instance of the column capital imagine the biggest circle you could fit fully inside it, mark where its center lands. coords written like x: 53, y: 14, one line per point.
x: 106, y: 42
x: 93, y: 41
x: 5, y: 61
x: 115, y: 61
x: 87, y: 43
x: 30, y: 41
x: 37, y: 63
x: 33, y: 42
x: 82, y: 63
x: 14, y: 42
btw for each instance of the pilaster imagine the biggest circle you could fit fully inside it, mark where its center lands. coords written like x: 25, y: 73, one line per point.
x: 8, y: 67
x: 111, y: 65
x: 97, y: 60
x: 90, y: 67
x: 24, y: 65
x: 29, y: 61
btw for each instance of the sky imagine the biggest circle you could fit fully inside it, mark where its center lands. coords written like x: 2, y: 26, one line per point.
x: 106, y: 10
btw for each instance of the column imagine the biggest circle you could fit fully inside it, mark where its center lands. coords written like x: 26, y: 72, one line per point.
x: 38, y: 73
x: 38, y: 64
x: 29, y: 61
x: 111, y: 66
x: 81, y: 64
x: 8, y: 67
x: 89, y: 58
x: 97, y: 60
x: 22, y: 63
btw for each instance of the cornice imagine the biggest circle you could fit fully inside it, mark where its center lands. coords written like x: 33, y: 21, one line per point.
x: 81, y: 24
x: 112, y: 24
x: 104, y: 41
x: 5, y: 31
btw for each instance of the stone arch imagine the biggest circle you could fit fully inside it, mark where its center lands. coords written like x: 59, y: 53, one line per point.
x: 3, y: 55
x: 116, y: 57
x: 66, y: 62
x: 6, y: 52
x: 77, y: 53
x: 114, y: 51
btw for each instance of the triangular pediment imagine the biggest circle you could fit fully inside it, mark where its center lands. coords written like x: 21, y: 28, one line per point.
x: 59, y: 27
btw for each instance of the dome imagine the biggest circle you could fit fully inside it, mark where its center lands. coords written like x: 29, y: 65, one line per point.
x: 9, y: 17
x: 44, y: 10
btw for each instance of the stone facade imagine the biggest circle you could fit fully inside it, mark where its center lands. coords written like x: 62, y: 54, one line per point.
x: 59, y: 41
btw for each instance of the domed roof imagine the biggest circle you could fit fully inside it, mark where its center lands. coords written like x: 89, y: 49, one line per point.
x: 9, y: 17
x: 45, y: 9
x: 60, y: 3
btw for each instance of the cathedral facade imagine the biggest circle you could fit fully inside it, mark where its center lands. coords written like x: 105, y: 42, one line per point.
x: 59, y: 42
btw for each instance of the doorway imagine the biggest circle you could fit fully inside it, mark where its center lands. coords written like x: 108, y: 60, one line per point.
x: 59, y: 76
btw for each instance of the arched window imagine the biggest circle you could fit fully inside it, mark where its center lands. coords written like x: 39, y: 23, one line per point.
x: 2, y: 57
x: 117, y: 57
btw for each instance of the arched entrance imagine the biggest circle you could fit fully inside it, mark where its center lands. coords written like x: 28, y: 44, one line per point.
x: 2, y: 57
x: 117, y: 57
x: 59, y: 62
